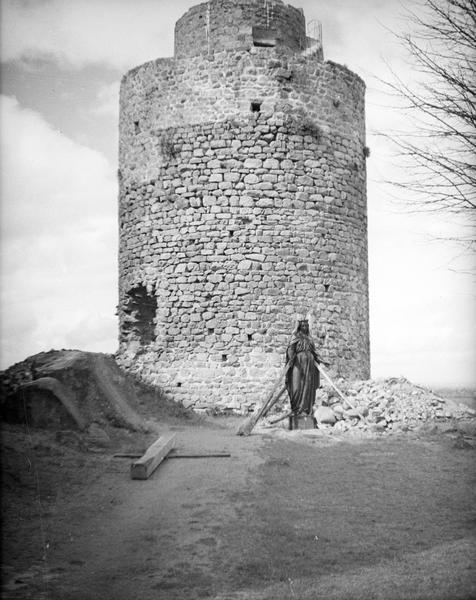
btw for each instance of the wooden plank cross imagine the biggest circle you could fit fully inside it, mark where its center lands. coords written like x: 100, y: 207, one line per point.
x: 155, y: 454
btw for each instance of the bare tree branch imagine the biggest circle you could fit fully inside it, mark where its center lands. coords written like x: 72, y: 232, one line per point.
x: 440, y: 153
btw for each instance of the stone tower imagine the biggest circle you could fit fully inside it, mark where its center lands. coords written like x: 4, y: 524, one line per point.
x: 242, y: 206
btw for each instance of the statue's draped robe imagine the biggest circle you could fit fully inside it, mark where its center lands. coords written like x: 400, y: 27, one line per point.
x: 302, y: 374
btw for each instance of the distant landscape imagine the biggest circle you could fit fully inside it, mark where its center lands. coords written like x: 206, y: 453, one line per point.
x: 458, y: 394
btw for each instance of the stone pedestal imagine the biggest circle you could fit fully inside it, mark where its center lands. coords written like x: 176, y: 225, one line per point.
x: 302, y: 422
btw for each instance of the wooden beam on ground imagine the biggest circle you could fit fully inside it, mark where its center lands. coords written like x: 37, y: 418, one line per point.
x: 155, y: 454
x: 174, y: 454
x: 127, y: 455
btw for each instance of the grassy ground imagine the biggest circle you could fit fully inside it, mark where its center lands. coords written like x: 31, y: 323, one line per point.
x: 378, y: 520
x: 287, y: 516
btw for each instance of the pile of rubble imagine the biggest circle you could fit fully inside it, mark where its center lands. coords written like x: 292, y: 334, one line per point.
x: 387, y: 404
x: 393, y: 404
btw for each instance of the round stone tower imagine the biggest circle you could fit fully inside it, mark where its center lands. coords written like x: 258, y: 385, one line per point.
x: 242, y: 206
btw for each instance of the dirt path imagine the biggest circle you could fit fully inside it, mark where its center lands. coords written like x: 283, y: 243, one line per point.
x: 164, y: 532
x: 285, y: 517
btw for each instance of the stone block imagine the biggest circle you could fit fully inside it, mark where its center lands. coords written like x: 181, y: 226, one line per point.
x: 271, y: 163
x: 324, y: 415
x: 301, y: 422
x: 251, y: 179
x: 253, y: 163
x: 232, y: 177
x: 244, y: 265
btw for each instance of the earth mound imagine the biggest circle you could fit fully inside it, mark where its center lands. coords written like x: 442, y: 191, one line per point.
x: 76, y: 390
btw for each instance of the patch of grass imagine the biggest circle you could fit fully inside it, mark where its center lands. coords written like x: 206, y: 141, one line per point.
x: 300, y: 123
x: 167, y: 145
x: 382, y: 520
x: 154, y: 402
x: 441, y: 573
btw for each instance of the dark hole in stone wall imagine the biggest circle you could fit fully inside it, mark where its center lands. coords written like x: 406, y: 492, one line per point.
x: 250, y: 337
x: 224, y: 358
x: 140, y: 309
x: 211, y: 331
x: 136, y: 127
x: 230, y: 233
x: 256, y: 107
x: 326, y: 287
x: 264, y: 38
x: 179, y: 384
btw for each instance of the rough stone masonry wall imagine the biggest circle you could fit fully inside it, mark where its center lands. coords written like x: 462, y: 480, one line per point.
x: 232, y: 222
x: 167, y: 93
x: 228, y: 24
x: 239, y: 233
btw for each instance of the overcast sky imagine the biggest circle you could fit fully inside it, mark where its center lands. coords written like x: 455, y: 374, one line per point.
x: 62, y: 61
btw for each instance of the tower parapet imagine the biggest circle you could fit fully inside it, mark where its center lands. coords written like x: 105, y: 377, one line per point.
x: 220, y: 25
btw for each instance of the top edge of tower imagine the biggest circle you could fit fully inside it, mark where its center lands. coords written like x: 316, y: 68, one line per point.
x: 221, y: 25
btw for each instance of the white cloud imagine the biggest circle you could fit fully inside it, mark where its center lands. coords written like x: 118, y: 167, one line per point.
x: 59, y: 240
x: 120, y: 34
x: 421, y: 312
x: 123, y: 34
x: 108, y: 101
x: 47, y: 175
